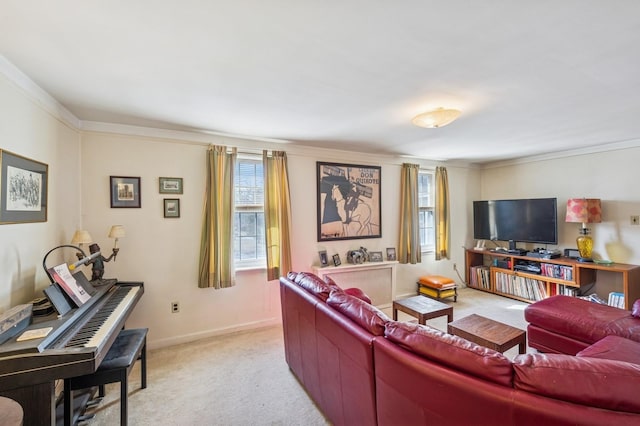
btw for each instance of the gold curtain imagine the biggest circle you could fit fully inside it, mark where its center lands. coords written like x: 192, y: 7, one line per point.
x: 409, y: 250
x: 442, y: 214
x: 216, y: 244
x: 277, y: 214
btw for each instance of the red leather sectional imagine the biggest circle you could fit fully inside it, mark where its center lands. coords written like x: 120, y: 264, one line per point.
x: 361, y: 368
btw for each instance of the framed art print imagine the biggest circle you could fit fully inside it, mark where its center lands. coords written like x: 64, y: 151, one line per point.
x: 125, y: 192
x: 171, y: 207
x: 348, y: 201
x: 170, y: 185
x: 23, y: 189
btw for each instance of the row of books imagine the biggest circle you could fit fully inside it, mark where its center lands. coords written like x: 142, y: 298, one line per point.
x: 566, y: 290
x: 479, y: 277
x: 526, y: 288
x: 557, y: 271
x: 616, y: 299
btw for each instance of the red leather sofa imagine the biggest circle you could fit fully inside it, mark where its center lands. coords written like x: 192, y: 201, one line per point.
x: 362, y: 368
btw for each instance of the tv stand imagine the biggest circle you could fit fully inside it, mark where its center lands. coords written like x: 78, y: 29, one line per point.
x: 496, y: 272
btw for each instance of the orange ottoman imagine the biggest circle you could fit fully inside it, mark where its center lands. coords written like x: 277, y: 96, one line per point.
x: 437, y: 287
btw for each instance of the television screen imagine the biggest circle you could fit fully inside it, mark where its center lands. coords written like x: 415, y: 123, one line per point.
x: 532, y: 220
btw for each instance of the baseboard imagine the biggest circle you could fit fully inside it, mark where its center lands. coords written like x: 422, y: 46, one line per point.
x: 186, y: 338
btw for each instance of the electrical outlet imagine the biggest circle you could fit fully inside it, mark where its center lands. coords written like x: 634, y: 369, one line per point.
x: 455, y: 267
x: 635, y: 220
x: 175, y: 307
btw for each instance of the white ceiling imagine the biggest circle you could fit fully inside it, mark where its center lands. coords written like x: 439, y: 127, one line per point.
x: 530, y: 78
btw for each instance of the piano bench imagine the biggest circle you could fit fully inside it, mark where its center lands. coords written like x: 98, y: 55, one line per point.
x: 129, y: 346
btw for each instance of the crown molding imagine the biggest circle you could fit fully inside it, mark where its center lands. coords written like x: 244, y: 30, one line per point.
x: 37, y: 94
x: 595, y: 149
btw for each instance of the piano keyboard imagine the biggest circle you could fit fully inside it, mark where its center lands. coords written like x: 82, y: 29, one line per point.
x: 93, y: 332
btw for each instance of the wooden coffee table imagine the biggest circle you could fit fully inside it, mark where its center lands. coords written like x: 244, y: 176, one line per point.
x: 422, y: 308
x: 489, y: 333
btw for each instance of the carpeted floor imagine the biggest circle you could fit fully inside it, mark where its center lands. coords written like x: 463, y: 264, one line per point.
x: 243, y: 379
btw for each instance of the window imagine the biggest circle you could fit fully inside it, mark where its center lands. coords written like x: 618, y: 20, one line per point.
x: 248, y: 227
x: 425, y: 210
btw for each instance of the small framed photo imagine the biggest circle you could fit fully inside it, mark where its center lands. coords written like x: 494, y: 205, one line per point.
x: 375, y: 256
x: 336, y: 260
x: 391, y: 253
x: 125, y: 192
x: 171, y: 207
x: 324, y: 260
x: 23, y: 195
x: 170, y: 185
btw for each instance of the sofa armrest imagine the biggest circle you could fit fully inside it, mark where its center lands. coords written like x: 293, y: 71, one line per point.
x: 601, y: 383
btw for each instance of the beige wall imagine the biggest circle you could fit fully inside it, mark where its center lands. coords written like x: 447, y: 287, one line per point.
x: 611, y: 176
x: 29, y: 130
x: 164, y: 252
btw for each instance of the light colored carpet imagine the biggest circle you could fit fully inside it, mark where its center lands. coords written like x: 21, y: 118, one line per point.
x: 243, y: 379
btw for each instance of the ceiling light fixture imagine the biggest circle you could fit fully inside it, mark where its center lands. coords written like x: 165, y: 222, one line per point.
x: 436, y: 118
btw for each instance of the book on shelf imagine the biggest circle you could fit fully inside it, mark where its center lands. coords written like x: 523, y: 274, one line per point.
x: 479, y: 277
x: 523, y: 287
x: 616, y: 299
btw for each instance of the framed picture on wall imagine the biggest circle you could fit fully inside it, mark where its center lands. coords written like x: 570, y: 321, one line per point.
x: 170, y: 185
x: 125, y: 192
x: 23, y: 192
x: 348, y: 201
x: 171, y: 207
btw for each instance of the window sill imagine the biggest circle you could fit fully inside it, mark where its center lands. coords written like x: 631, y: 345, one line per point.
x: 249, y: 268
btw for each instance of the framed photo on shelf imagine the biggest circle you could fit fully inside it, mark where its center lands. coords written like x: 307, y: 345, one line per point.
x: 170, y: 185
x: 171, y: 207
x: 23, y: 195
x: 348, y: 201
x: 324, y: 260
x: 391, y: 253
x: 336, y: 260
x: 375, y: 256
x: 125, y: 192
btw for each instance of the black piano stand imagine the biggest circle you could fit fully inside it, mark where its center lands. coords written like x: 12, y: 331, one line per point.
x: 129, y: 346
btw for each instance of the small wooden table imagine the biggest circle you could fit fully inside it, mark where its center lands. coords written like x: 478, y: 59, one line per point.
x: 489, y: 333
x: 422, y: 308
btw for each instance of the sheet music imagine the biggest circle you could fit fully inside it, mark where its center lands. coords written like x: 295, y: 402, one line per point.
x: 62, y: 275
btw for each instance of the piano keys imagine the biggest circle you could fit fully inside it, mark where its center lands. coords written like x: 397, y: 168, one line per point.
x: 77, y: 344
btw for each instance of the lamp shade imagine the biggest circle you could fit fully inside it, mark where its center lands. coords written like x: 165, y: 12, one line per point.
x: 81, y: 237
x: 117, y: 231
x: 584, y: 210
x: 436, y: 118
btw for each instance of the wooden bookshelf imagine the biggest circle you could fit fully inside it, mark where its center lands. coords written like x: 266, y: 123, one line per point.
x: 560, y: 276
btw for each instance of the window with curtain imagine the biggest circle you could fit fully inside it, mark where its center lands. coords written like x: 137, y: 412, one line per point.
x: 248, y: 228
x: 426, y: 201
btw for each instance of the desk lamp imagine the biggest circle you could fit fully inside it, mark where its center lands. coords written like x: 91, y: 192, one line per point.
x: 584, y: 210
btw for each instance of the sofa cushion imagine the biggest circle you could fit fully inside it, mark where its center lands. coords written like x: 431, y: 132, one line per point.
x: 580, y: 319
x: 635, y: 310
x: 312, y: 283
x: 614, y: 347
x: 362, y: 313
x: 356, y: 292
x: 601, y: 383
x: 452, y: 351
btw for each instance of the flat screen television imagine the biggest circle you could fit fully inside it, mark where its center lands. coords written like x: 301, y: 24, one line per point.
x: 533, y: 220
